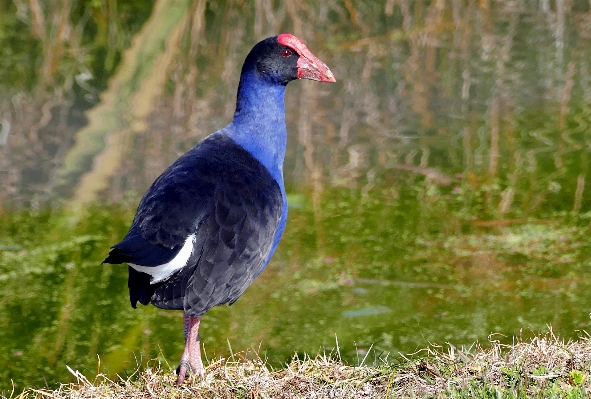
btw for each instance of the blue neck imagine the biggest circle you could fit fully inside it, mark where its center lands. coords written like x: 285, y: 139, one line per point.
x: 259, y: 122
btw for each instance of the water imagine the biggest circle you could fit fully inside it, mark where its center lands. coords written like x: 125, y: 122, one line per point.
x: 359, y: 271
x: 439, y: 191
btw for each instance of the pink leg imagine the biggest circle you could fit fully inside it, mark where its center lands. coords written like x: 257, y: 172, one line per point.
x: 191, y: 359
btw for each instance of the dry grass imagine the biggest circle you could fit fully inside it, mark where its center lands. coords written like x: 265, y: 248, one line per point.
x: 545, y: 367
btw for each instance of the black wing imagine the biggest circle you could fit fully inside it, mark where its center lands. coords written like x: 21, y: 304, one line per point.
x: 232, y: 245
x: 219, y: 192
x: 170, y: 211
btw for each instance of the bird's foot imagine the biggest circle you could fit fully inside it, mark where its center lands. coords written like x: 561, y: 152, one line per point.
x: 191, y: 359
x: 185, y: 369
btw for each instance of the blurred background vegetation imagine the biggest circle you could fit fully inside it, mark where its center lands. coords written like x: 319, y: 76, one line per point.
x: 439, y: 191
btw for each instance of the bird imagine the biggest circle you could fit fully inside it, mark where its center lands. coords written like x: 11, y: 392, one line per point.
x: 210, y: 223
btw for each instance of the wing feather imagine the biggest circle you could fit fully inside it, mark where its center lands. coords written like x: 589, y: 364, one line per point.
x: 229, y: 201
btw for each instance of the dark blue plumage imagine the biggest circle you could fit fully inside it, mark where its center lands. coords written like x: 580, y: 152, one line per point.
x: 209, y: 225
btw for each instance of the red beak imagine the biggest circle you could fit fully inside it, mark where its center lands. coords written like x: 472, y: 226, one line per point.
x: 309, y: 66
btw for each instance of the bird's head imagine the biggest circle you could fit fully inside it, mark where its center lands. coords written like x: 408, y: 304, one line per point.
x: 284, y: 58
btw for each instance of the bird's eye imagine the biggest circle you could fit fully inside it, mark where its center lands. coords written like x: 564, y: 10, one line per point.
x: 286, y: 53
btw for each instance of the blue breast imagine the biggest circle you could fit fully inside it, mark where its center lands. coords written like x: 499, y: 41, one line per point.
x: 259, y: 127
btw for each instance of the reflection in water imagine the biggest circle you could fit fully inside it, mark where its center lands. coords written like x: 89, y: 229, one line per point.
x: 497, y: 95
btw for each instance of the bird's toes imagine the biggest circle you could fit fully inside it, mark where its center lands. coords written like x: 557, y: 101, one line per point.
x: 199, y: 371
x: 182, y: 371
x: 185, y: 369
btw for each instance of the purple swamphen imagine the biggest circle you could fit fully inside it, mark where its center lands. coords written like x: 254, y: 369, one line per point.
x: 208, y: 226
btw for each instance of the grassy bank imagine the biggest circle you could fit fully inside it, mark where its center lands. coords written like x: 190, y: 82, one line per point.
x: 545, y: 366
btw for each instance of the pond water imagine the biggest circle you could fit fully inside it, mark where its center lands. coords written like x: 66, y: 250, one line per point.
x: 382, y: 278
x: 439, y: 191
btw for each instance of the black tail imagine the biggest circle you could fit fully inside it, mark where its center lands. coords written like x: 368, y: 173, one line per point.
x: 140, y: 289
